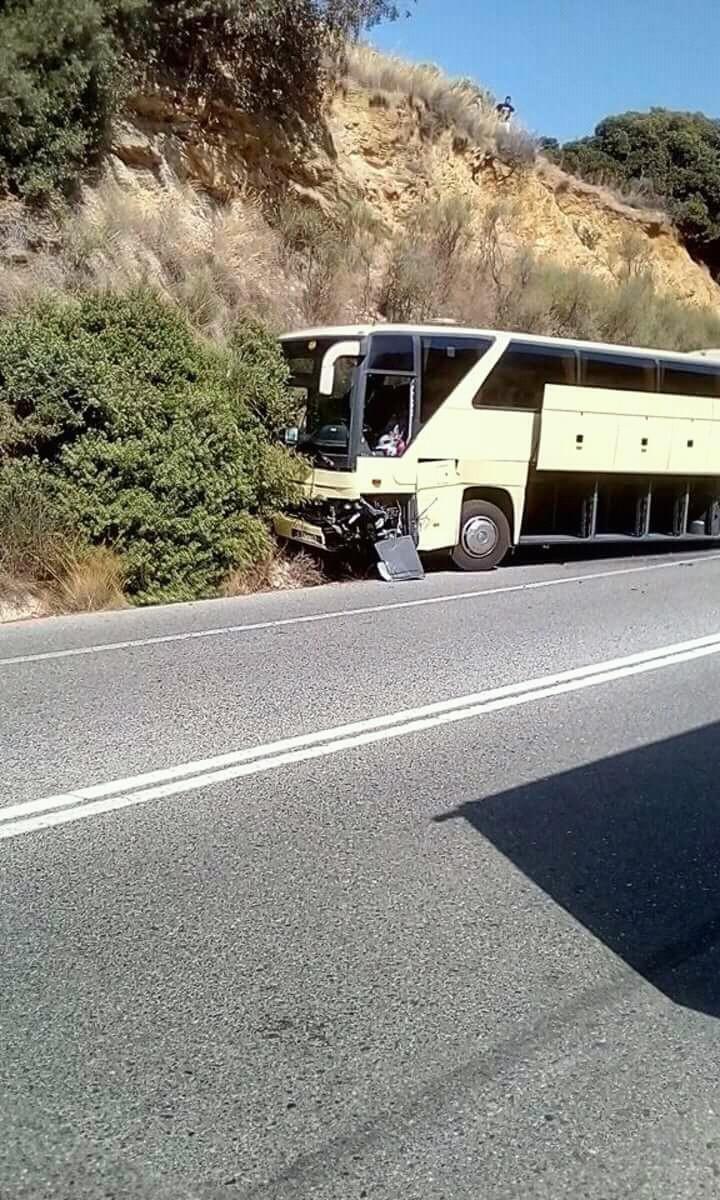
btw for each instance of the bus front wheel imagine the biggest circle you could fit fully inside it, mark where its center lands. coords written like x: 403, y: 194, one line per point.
x: 484, y: 536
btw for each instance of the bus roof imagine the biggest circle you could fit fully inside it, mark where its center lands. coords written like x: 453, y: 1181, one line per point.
x: 440, y: 329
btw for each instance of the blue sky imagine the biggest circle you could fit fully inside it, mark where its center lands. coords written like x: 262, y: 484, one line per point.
x: 568, y: 63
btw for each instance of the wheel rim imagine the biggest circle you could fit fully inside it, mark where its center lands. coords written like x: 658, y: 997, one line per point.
x: 479, y: 537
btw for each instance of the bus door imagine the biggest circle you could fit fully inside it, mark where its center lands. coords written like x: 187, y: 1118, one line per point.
x: 389, y: 414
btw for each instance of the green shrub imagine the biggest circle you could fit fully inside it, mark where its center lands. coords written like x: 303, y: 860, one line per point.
x: 149, y: 440
x: 65, y: 64
x: 264, y: 57
x: 58, y: 78
x: 34, y: 532
x: 676, y: 154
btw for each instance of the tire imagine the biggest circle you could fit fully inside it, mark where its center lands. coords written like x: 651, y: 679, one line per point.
x: 481, y: 523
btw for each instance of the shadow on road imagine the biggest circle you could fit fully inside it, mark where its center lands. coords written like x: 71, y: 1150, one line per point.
x: 630, y: 846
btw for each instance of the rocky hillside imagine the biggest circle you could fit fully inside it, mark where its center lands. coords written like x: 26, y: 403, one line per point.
x: 393, y: 147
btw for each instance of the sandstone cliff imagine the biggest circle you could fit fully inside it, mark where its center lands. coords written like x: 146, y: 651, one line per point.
x: 387, y: 149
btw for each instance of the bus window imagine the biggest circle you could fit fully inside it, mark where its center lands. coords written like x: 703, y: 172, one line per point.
x: 388, y: 415
x: 391, y: 352
x: 445, y: 362
x: 623, y: 372
x: 519, y: 379
x: 679, y: 380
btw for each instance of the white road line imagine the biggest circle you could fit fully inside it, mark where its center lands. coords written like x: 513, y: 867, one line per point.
x: 108, y: 797
x: 312, y: 618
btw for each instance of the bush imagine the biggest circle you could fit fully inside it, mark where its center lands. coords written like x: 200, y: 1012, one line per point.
x: 34, y: 533
x: 65, y: 65
x: 333, y: 262
x: 427, y: 269
x: 147, y: 440
x: 59, y: 71
x: 674, y: 154
x: 545, y: 299
x: 262, y: 57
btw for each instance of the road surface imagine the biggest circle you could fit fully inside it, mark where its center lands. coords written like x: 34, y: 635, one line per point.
x: 386, y: 891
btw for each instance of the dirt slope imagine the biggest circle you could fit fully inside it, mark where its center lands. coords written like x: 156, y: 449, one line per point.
x: 383, y: 150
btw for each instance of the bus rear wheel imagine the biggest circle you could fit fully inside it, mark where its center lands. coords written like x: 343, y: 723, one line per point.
x: 484, y: 536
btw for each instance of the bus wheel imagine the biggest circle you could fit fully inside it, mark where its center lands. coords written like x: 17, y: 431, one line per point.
x: 484, y: 536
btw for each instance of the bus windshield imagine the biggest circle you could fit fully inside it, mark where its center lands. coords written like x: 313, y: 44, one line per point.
x: 324, y: 420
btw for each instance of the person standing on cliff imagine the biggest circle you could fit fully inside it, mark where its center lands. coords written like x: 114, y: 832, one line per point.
x: 506, y: 109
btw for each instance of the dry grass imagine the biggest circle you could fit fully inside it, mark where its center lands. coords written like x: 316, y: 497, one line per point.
x: 280, y: 571
x: 44, y: 565
x: 88, y: 580
x: 436, y: 268
x: 334, y: 264
x: 217, y: 262
x: 459, y: 105
x: 72, y: 580
x: 467, y: 109
x: 214, y: 261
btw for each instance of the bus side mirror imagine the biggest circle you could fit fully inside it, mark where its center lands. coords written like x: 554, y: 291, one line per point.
x: 290, y: 435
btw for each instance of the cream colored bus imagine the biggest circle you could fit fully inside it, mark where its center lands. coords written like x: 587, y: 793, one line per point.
x: 475, y: 441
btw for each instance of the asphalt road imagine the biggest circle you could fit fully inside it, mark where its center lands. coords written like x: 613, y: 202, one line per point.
x: 367, y: 891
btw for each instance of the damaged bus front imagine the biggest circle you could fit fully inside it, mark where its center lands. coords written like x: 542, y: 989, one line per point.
x: 357, y: 398
x: 422, y: 439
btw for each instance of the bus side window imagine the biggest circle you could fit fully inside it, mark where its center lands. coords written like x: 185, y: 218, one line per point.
x: 679, y: 380
x: 622, y: 372
x: 445, y: 363
x: 520, y: 377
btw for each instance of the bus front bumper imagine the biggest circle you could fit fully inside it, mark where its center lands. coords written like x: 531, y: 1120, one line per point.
x: 358, y: 529
x: 295, y: 529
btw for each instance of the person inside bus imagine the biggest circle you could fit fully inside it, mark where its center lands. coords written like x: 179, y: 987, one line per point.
x: 392, y: 442
x: 386, y: 425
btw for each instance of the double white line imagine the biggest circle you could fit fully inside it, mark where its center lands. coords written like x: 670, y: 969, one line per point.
x: 84, y: 802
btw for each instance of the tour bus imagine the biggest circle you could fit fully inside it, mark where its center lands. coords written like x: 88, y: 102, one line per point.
x: 475, y: 441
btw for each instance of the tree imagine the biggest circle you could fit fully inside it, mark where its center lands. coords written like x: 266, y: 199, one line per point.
x: 64, y: 65
x: 58, y: 74
x: 352, y: 16
x: 677, y: 153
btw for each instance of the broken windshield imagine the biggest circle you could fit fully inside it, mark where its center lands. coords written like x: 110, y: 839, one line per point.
x: 324, y: 420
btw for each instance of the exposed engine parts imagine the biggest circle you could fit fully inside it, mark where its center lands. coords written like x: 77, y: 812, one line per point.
x: 351, y: 523
x: 361, y: 530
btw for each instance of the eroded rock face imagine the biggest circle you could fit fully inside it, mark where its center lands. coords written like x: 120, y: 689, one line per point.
x: 381, y: 155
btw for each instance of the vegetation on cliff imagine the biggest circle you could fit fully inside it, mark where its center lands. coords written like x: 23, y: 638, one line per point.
x: 668, y: 157
x: 66, y: 66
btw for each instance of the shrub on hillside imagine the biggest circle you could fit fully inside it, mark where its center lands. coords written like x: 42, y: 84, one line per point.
x: 332, y: 261
x: 34, y: 532
x: 145, y: 438
x: 546, y: 299
x: 264, y: 57
x: 64, y: 65
x: 675, y: 154
x: 58, y: 77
